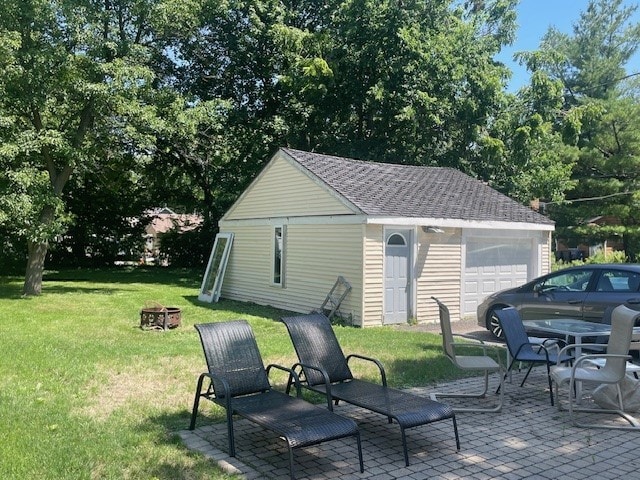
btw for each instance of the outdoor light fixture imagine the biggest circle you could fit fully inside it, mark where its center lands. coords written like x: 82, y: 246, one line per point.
x: 426, y: 229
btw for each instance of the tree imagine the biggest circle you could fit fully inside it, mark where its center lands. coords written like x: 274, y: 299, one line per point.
x: 599, y: 114
x: 387, y: 80
x: 76, y: 91
x: 527, y: 156
x: 404, y: 81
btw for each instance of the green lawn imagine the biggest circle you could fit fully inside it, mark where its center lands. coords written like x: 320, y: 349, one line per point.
x: 85, y: 393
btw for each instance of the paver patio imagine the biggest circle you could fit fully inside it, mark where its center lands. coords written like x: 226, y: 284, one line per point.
x: 528, y: 439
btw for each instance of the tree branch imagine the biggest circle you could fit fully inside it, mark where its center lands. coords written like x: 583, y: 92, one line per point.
x: 615, y: 135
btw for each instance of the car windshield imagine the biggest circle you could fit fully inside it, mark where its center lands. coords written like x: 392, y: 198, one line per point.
x: 573, y: 281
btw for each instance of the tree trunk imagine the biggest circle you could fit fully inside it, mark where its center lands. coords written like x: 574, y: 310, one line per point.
x: 35, y: 268
x: 37, y: 250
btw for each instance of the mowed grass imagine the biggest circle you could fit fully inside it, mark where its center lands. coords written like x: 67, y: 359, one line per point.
x: 86, y: 394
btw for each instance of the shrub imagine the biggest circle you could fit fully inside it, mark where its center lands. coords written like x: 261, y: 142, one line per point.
x: 600, y: 257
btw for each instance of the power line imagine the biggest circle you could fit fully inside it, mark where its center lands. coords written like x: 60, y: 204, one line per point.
x: 615, y: 80
x: 589, y: 199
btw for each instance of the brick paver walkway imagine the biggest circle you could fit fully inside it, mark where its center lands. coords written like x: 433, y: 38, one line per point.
x: 528, y: 439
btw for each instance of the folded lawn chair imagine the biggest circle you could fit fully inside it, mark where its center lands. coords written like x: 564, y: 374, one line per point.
x: 238, y: 381
x: 326, y: 371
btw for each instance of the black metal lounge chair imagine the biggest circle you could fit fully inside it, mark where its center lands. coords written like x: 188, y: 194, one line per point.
x: 239, y: 382
x: 326, y: 370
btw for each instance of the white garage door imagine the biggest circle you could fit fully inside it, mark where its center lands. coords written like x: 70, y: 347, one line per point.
x: 493, y: 264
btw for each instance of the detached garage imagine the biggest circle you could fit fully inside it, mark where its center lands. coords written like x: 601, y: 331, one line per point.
x: 398, y: 234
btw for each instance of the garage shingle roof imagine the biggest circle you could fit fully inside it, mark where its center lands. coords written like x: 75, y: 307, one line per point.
x: 389, y: 190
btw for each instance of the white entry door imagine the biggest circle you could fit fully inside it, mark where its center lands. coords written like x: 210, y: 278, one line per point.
x: 397, y: 279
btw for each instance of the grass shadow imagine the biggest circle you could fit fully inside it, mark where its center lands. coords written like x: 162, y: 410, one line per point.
x: 240, y: 308
x: 183, y: 277
x: 165, y: 427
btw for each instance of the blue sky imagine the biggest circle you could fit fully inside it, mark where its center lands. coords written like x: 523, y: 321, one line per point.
x: 534, y: 19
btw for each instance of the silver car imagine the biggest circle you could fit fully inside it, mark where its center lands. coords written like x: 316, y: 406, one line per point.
x: 583, y: 292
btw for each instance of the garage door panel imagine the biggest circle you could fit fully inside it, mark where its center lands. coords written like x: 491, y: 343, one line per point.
x: 471, y: 287
x: 487, y: 286
x: 506, y: 284
x: 521, y: 269
x: 494, y: 264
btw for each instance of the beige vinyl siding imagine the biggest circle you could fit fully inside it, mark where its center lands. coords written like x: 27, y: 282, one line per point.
x: 248, y: 274
x: 282, y: 190
x: 314, y: 257
x: 373, y: 275
x: 438, y: 273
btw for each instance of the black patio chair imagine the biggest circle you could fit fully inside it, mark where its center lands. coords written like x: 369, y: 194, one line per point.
x: 522, y: 349
x: 239, y: 382
x: 326, y: 370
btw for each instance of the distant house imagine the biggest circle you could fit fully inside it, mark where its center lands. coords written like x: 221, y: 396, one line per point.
x: 398, y: 234
x: 587, y: 245
x: 163, y: 220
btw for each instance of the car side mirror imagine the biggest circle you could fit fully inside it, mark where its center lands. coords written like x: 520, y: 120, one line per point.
x: 537, y: 289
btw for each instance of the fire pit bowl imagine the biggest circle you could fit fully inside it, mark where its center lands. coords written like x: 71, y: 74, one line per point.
x: 160, y: 317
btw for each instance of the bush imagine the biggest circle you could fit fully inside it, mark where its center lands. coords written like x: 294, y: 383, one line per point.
x: 186, y: 249
x: 13, y: 257
x: 600, y: 257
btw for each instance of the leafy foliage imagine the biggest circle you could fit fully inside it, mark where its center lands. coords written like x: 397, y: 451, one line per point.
x: 110, y: 108
x: 595, y: 121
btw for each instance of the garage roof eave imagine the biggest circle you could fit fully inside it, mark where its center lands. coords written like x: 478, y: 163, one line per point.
x: 459, y: 223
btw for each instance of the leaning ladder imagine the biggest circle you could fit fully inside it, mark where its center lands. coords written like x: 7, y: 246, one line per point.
x: 335, y: 297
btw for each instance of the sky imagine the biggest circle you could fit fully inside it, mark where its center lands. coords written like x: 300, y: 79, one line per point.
x: 534, y: 19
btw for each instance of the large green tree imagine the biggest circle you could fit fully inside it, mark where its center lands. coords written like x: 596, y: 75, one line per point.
x: 411, y: 81
x: 527, y: 156
x: 76, y: 92
x: 599, y: 114
x: 416, y: 81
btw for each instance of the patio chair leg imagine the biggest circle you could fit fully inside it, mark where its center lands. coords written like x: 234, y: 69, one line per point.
x: 194, y: 411
x: 527, y: 375
x: 404, y: 446
x: 196, y: 403
x: 232, y: 443
x: 360, y: 452
x: 506, y: 374
x: 550, y: 386
x: 291, y: 462
x: 455, y: 430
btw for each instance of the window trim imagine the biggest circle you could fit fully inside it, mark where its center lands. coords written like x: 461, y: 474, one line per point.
x: 282, y: 258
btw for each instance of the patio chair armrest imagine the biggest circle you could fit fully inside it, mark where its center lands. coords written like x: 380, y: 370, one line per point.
x: 539, y: 346
x: 467, y: 337
x: 383, y: 374
x: 550, y: 343
x: 585, y: 358
x: 573, y: 346
x: 469, y: 341
x: 491, y: 351
x: 325, y: 377
x: 558, y: 343
x: 212, y: 388
x: 292, y: 374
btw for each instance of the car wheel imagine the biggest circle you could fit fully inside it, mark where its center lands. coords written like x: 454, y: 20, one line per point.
x: 493, y: 324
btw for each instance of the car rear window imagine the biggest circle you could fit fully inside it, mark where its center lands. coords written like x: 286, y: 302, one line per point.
x: 618, y: 281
